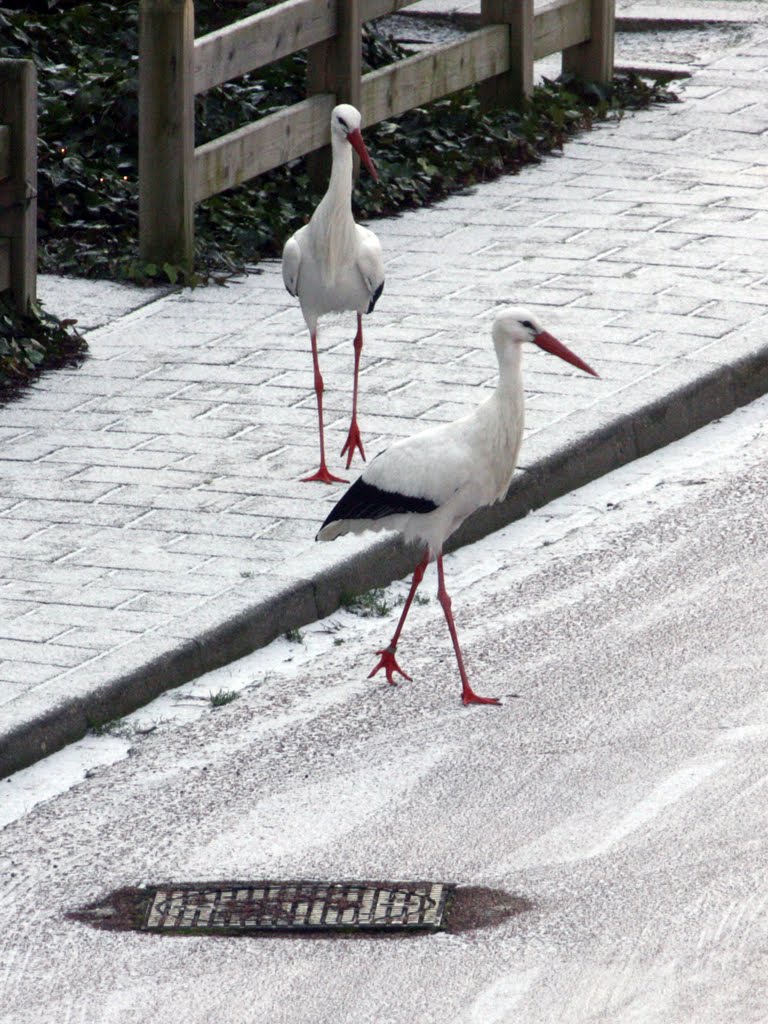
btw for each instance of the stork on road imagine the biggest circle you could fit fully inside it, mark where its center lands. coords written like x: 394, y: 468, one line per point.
x: 425, y: 486
x: 332, y: 264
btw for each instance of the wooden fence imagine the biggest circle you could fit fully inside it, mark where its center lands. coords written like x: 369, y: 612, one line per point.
x: 174, y: 67
x: 18, y: 181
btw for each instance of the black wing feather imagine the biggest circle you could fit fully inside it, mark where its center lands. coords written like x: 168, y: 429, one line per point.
x: 375, y: 297
x: 364, y: 501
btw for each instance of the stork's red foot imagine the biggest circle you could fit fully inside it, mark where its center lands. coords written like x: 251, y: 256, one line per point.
x: 469, y: 696
x: 354, y: 441
x: 324, y: 477
x: 390, y: 666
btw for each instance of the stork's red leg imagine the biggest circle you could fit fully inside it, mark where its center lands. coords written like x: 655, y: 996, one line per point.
x: 322, y: 475
x: 353, y: 438
x: 387, y: 656
x: 468, y: 695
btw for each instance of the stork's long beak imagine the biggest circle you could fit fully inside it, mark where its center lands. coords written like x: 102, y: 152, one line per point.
x: 550, y: 344
x: 356, y: 141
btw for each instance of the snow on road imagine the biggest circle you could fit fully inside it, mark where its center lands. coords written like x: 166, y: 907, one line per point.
x: 622, y: 793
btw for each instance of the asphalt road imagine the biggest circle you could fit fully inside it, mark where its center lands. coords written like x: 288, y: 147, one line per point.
x: 622, y: 794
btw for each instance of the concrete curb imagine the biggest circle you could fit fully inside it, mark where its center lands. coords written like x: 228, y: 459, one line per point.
x: 588, y: 453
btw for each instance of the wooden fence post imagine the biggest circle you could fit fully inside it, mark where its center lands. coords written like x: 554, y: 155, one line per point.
x: 511, y: 88
x: 166, y: 131
x: 18, y: 191
x: 335, y: 66
x: 593, y: 61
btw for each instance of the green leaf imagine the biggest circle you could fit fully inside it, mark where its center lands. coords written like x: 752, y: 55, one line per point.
x: 171, y: 272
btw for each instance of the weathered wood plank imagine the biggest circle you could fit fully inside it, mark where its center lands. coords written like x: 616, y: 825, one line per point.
x: 5, y: 150
x: 593, y: 60
x: 560, y: 24
x: 258, y: 147
x: 18, y: 191
x: 437, y: 72
x: 441, y: 70
x: 510, y: 88
x: 261, y: 39
x: 371, y: 9
x: 5, y: 264
x: 166, y: 132
x: 335, y: 67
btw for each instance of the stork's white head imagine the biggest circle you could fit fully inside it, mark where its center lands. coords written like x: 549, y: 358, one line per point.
x: 345, y: 127
x: 515, y: 325
x: 345, y: 119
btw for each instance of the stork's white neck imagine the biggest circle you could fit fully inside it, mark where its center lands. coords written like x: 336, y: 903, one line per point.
x: 338, y: 199
x: 332, y: 224
x: 503, y: 417
x: 510, y: 357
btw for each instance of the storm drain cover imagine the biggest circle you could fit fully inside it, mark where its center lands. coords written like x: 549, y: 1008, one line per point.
x: 296, y: 906
x: 309, y: 908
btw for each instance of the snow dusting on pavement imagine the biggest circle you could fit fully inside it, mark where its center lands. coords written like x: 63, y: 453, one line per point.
x: 621, y: 796
x: 583, y: 519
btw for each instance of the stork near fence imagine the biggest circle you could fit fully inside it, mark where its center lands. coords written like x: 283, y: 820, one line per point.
x: 174, y: 67
x: 18, y: 181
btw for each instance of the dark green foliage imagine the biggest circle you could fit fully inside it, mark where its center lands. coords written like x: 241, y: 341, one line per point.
x: 222, y: 697
x: 87, y: 66
x: 32, y: 343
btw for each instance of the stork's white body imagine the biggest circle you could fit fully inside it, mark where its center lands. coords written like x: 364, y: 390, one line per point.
x: 425, y: 486
x: 459, y: 466
x: 332, y: 264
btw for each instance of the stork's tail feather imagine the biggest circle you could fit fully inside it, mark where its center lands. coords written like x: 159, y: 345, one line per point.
x: 364, y: 501
x: 375, y: 297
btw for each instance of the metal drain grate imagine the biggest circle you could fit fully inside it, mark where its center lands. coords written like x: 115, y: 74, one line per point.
x: 297, y: 906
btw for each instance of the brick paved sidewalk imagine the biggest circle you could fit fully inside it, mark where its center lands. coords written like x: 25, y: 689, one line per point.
x: 151, y: 522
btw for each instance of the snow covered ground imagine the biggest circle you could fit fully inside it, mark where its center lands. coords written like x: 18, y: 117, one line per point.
x: 632, y: 495
x: 622, y: 792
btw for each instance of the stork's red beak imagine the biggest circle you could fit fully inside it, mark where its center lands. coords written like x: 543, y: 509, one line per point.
x: 356, y: 141
x: 550, y: 344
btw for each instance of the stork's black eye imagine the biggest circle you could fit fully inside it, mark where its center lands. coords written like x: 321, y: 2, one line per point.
x: 343, y: 123
x: 528, y: 324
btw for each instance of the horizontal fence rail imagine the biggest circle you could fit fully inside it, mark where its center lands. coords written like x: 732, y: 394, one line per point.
x: 262, y: 39
x: 18, y: 181
x: 174, y: 67
x: 430, y: 75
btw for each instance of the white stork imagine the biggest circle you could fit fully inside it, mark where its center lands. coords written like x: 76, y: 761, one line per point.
x: 332, y: 264
x: 425, y: 486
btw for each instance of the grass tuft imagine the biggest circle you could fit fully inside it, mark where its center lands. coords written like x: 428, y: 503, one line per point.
x: 222, y: 697
x: 114, y: 727
x: 372, y: 604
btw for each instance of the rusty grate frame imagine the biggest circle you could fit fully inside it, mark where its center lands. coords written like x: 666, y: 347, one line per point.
x: 272, y: 906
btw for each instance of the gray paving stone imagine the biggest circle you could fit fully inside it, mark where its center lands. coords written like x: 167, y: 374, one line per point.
x: 29, y: 627
x: 160, y: 606
x: 152, y: 523
x: 42, y: 653
x: 98, y: 639
x: 43, y: 570
x: 196, y: 582
x: 23, y: 674
x: 53, y: 511
x: 34, y: 595
x: 226, y: 524
x: 131, y: 555
x: 166, y: 498
x: 125, y: 618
